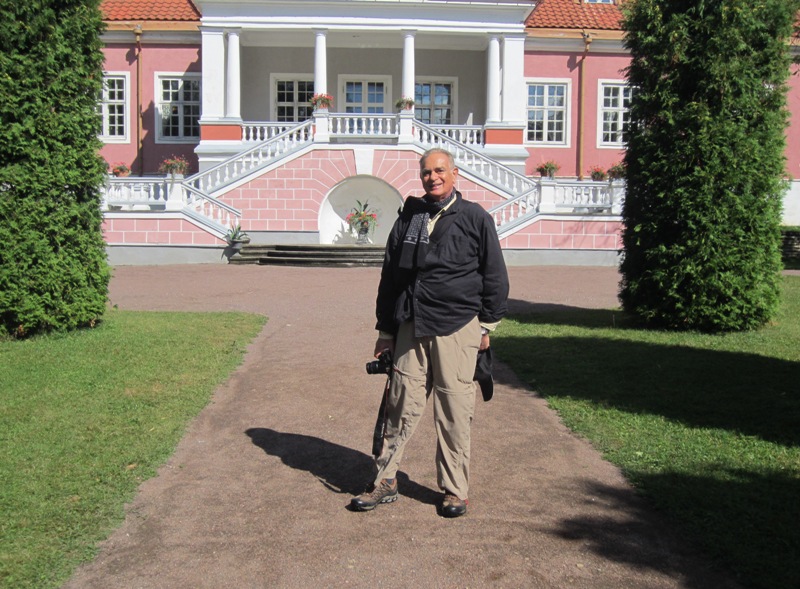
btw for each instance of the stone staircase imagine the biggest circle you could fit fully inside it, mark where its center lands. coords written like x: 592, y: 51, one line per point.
x: 310, y: 255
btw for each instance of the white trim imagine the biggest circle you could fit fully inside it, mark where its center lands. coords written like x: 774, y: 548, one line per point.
x: 157, y: 77
x: 567, y: 112
x: 116, y: 139
x: 453, y: 81
x: 599, y: 128
x: 342, y: 79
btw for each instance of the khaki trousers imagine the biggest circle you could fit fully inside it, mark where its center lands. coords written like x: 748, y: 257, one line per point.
x: 442, y: 367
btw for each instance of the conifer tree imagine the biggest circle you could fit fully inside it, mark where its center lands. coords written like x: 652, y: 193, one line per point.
x: 53, y: 268
x: 705, y: 161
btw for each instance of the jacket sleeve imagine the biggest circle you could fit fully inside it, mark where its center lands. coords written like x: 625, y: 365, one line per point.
x: 494, y: 299
x: 387, y: 288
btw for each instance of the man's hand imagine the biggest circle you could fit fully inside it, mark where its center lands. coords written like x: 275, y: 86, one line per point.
x: 384, y: 344
x: 484, y: 341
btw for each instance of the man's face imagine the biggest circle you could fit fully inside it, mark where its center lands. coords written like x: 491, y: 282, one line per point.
x: 438, y: 178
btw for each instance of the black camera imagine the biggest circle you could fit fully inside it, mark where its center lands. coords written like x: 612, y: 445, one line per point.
x: 383, y: 365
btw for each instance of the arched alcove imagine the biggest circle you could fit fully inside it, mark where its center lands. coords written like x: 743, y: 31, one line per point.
x: 383, y: 199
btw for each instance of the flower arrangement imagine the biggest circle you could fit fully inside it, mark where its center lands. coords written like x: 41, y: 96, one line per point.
x: 548, y: 168
x: 597, y: 173
x: 321, y: 101
x: 361, y: 219
x: 404, y: 103
x: 617, y: 171
x: 120, y: 170
x: 176, y: 164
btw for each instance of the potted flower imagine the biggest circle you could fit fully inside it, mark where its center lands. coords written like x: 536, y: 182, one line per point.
x: 548, y: 169
x: 120, y: 170
x: 617, y: 171
x: 597, y: 173
x: 361, y: 221
x: 404, y: 103
x: 321, y: 101
x: 177, y: 164
x: 236, y: 237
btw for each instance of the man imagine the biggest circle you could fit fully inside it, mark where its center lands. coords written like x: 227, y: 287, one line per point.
x: 443, y: 288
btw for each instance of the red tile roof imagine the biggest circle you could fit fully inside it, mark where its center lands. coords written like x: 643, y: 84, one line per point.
x: 575, y: 14
x: 159, y: 10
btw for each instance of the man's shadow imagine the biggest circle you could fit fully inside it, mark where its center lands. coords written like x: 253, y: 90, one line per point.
x: 340, y: 469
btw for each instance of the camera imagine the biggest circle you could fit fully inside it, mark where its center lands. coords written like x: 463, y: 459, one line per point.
x: 383, y: 365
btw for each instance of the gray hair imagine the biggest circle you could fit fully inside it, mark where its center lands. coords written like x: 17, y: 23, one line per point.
x: 441, y: 150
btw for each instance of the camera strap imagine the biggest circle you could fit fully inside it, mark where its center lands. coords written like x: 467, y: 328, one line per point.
x: 380, y: 423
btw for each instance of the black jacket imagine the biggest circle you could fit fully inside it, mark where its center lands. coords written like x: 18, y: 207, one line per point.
x: 462, y: 276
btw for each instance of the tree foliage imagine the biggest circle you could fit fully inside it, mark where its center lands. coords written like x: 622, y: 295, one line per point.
x: 53, y: 268
x: 705, y: 161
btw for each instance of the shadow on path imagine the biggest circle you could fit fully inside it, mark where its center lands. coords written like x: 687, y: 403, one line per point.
x: 340, y: 469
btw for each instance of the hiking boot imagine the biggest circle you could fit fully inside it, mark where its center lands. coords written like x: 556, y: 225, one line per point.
x: 452, y: 506
x: 383, y: 492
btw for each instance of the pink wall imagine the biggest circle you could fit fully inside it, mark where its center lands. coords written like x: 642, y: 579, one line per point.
x: 155, y: 58
x: 793, y: 132
x: 567, y: 235
x: 133, y: 230
x: 566, y: 66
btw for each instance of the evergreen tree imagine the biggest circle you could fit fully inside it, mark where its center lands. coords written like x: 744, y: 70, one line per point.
x: 705, y: 163
x: 53, y: 268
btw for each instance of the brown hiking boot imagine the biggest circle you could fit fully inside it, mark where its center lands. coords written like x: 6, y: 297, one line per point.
x: 383, y: 492
x: 452, y: 506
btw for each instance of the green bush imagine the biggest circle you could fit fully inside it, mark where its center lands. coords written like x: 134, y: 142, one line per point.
x: 705, y: 162
x: 53, y: 268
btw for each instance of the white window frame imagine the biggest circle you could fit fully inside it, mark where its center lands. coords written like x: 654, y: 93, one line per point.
x: 125, y: 138
x: 601, y: 84
x: 599, y: 2
x: 157, y: 78
x: 567, y: 82
x: 454, y: 94
x: 273, y: 85
x: 344, y: 78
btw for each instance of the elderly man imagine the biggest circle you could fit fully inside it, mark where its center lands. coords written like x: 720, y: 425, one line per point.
x: 443, y: 288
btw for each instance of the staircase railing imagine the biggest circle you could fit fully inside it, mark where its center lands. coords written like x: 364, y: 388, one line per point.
x: 252, y: 159
x: 485, y: 168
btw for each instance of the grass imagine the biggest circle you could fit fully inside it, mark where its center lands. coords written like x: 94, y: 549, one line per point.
x: 86, y: 417
x: 707, y: 427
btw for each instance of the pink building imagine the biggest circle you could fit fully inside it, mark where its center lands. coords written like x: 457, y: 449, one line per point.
x: 505, y: 85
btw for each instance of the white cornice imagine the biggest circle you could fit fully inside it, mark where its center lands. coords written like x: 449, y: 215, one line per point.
x: 424, y: 15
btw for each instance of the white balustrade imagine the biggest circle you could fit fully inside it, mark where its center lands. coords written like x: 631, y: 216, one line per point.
x: 254, y: 132
x: 374, y: 125
x: 136, y: 193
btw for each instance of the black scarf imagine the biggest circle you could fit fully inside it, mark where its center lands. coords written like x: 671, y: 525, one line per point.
x: 415, y: 242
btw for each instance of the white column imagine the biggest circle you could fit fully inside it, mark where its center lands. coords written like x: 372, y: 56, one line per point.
x: 409, y: 65
x: 233, y: 84
x: 320, y: 61
x: 213, y: 74
x: 514, y: 95
x: 493, y: 80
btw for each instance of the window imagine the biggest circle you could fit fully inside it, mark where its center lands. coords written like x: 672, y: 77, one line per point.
x: 614, y: 120
x: 292, y: 99
x: 599, y: 1
x: 114, y: 108
x: 434, y: 102
x: 547, y: 113
x: 179, y: 108
x: 366, y: 96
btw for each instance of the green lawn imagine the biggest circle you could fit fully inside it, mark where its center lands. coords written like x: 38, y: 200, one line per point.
x: 707, y: 427
x: 86, y: 417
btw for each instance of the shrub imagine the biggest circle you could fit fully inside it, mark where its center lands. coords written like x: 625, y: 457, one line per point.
x: 53, y: 269
x: 705, y: 162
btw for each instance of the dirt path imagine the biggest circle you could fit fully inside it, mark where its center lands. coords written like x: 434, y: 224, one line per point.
x: 256, y: 494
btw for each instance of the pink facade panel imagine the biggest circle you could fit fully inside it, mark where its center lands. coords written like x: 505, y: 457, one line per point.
x: 154, y: 60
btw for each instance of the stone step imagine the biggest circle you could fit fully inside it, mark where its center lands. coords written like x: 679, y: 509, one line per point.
x: 310, y: 255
